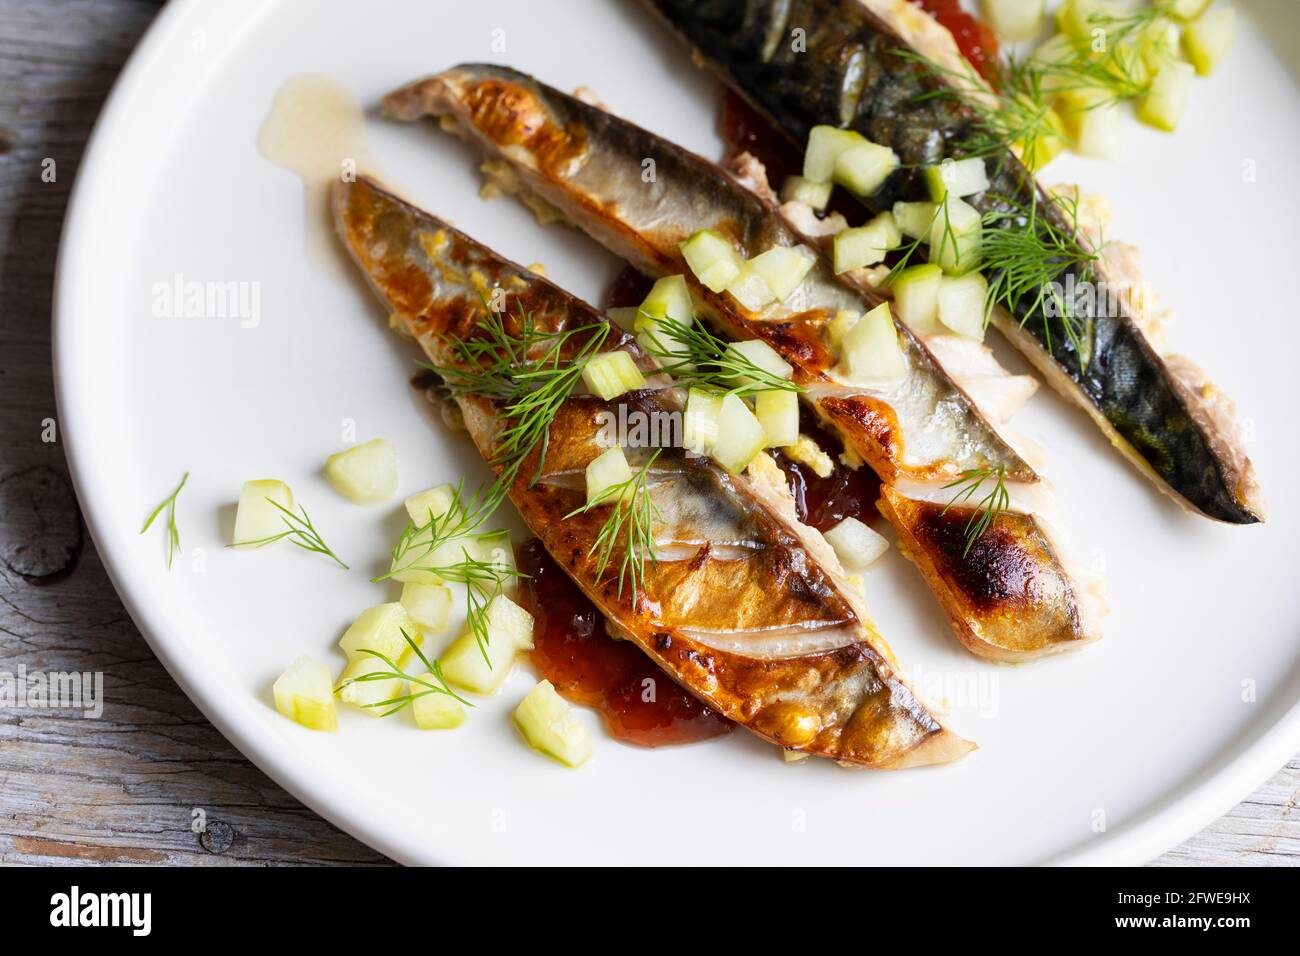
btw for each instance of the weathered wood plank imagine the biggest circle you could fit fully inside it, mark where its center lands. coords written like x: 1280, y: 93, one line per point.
x: 125, y: 788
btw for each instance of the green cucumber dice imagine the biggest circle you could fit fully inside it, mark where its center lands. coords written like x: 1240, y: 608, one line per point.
x: 1163, y: 104
x: 778, y: 412
x: 955, y: 236
x: 961, y: 304
x: 712, y: 259
x: 1208, y: 39
x: 1187, y: 10
x: 365, y: 474
x: 551, y: 727
x: 740, y: 435
x: 914, y: 219
x: 862, y: 169
x: 799, y: 189
x: 916, y: 297
x: 750, y: 289
x: 758, y: 353
x: 957, y: 177
x: 436, y: 711
x: 783, y: 268
x: 1014, y: 20
x: 669, y: 298
x: 871, y: 351
x: 611, y: 374
x: 825, y: 143
x: 855, y: 544
x: 605, y: 472
x: 866, y: 245
x: 700, y: 423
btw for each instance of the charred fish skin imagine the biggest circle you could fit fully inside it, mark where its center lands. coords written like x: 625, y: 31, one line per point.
x: 844, y: 699
x: 852, y: 75
x: 996, y: 610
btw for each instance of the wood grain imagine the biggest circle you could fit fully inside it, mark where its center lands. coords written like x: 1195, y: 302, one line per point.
x: 125, y: 788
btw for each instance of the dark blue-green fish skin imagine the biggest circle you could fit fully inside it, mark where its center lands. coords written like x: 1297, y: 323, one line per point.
x: 854, y: 72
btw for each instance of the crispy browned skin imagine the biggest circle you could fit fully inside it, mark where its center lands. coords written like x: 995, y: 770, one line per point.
x: 586, y: 164
x: 847, y: 703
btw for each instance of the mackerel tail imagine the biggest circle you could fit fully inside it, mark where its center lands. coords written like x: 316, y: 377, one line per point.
x: 859, y: 73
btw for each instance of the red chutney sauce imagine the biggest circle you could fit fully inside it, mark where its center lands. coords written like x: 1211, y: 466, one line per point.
x: 639, y: 703
x: 845, y: 493
x: 977, y: 42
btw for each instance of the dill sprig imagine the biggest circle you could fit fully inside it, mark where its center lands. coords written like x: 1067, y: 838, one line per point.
x: 173, y: 533
x: 299, y: 530
x: 1027, y: 252
x: 629, y: 525
x: 696, y: 358
x: 460, y: 521
x: 990, y: 506
x: 432, y: 682
x: 529, y: 372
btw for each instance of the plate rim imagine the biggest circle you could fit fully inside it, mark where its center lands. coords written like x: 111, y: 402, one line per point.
x: 1200, y: 799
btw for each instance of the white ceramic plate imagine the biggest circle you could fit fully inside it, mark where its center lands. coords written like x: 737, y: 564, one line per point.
x: 1110, y: 755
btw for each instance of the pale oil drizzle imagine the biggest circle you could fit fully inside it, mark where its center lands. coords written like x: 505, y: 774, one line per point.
x: 316, y: 130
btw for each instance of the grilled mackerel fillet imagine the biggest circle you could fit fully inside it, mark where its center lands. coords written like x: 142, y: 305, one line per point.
x: 1164, y: 416
x: 746, y: 608
x: 1011, y: 597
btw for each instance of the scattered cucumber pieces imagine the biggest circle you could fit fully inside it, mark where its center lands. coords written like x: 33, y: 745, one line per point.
x: 1163, y: 104
x: 550, y: 726
x: 432, y: 503
x: 961, y: 304
x: 825, y: 143
x: 1014, y: 20
x: 916, y: 297
x: 863, y: 168
x: 428, y: 604
x: 1208, y: 39
x: 365, y: 694
x: 256, y: 518
x: 305, y: 694
x: 365, y: 474
x: 379, y: 629
x: 606, y: 471
x: 1188, y: 10
x: 956, y: 177
x: 955, y: 236
x: 866, y: 245
x: 669, y: 298
x: 855, y: 544
x: 837, y: 327
x: 761, y: 355
x: 712, y: 259
x: 783, y: 268
x: 740, y: 435
x: 750, y: 289
x: 436, y: 711
x: 1095, y: 121
x: 700, y: 423
x: 778, y: 412
x: 509, y: 630
x: 611, y: 374
x: 914, y: 218
x: 870, y: 350
x: 799, y: 189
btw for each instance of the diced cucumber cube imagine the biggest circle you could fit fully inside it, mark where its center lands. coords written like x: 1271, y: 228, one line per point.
x: 825, y: 143
x: 700, y: 423
x: 799, y: 189
x: 1078, y: 18
x: 955, y: 236
x: 1095, y: 121
x: 750, y: 289
x: 365, y: 474
x: 256, y: 518
x: 958, y: 177
x: 624, y: 316
x: 1160, y: 42
x: 855, y: 544
x: 1014, y: 20
x: 1163, y: 104
x: 783, y: 268
x: 1208, y: 39
x: 1187, y: 10
x: 510, y: 630
x: 379, y: 629
x: 914, y: 219
x: 433, y: 503
x: 871, y: 351
x: 1039, y: 150
x: 778, y: 412
x: 669, y: 298
x: 436, y: 711
x: 867, y: 244
x: 365, y: 694
x: 495, y: 549
x: 740, y: 435
x: 428, y: 604
x: 757, y: 353
x: 916, y: 297
x: 961, y: 304
x: 550, y: 726
x: 305, y: 694
x: 611, y: 374
x: 863, y: 168
x: 836, y: 328
x: 712, y: 259
x: 663, y: 345
x: 605, y: 472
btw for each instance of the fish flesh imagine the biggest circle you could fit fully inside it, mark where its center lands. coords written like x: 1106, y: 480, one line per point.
x: 1010, y: 596
x: 856, y: 71
x: 791, y: 653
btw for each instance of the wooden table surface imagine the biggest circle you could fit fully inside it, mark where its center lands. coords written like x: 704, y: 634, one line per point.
x: 125, y: 788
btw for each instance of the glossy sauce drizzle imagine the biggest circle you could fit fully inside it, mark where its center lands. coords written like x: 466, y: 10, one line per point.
x: 639, y: 703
